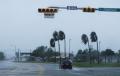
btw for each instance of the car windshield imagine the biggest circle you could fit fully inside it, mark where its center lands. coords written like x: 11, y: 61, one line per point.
x: 59, y: 38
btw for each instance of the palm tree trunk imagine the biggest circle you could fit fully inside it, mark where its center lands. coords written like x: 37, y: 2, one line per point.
x: 59, y: 54
x: 69, y: 48
x: 105, y: 59
x: 89, y: 52
x: 98, y: 52
x: 55, y: 53
x: 118, y: 60
x: 65, y: 48
x: 111, y: 58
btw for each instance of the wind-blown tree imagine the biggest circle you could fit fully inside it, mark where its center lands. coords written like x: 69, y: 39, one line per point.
x: 55, y: 35
x: 56, y: 38
x: 94, y: 56
x: 2, y: 56
x: 82, y: 55
x: 62, y: 37
x: 94, y: 38
x: 49, y: 54
x: 85, y: 54
x: 78, y: 55
x: 39, y: 52
x: 85, y: 40
x: 109, y: 53
x: 118, y: 59
x: 52, y: 44
x: 103, y: 53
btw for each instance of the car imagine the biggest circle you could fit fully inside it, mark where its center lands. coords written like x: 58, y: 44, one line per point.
x: 66, y: 64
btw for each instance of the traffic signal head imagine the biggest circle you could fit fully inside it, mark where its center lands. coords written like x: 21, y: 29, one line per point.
x: 88, y: 9
x: 47, y: 10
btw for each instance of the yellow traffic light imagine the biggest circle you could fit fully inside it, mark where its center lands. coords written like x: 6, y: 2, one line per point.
x: 88, y: 9
x: 47, y: 10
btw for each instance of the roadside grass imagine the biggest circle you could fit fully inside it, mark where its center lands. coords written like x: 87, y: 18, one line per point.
x: 86, y: 64
x: 34, y: 62
x: 81, y: 64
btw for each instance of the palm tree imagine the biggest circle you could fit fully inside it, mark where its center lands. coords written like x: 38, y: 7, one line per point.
x: 62, y: 37
x: 52, y: 44
x: 103, y: 53
x: 109, y: 54
x: 94, y: 38
x: 118, y: 60
x: 55, y: 35
x: 56, y: 38
x: 85, y: 40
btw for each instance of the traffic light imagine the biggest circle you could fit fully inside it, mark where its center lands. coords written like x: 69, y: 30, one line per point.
x: 88, y: 9
x: 47, y: 10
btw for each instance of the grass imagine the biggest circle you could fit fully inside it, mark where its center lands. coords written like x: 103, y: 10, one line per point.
x: 34, y: 62
x: 83, y: 64
x: 86, y: 64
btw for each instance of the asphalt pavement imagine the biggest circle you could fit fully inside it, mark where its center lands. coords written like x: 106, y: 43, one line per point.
x: 8, y: 68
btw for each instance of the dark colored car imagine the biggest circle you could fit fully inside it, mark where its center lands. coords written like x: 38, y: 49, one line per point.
x: 66, y: 64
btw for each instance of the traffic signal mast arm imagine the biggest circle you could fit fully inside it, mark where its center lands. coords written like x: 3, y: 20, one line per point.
x: 68, y: 7
x: 89, y: 8
x: 50, y: 11
x: 57, y: 7
x: 109, y: 9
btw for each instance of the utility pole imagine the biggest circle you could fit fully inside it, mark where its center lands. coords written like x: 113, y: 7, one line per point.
x: 99, y: 53
x: 15, y: 54
x: 18, y: 55
x: 99, y: 45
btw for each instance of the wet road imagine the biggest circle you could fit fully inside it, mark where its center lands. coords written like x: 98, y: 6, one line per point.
x: 39, y: 69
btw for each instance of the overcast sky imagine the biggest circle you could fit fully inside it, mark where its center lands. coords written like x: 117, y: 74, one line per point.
x: 22, y: 26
